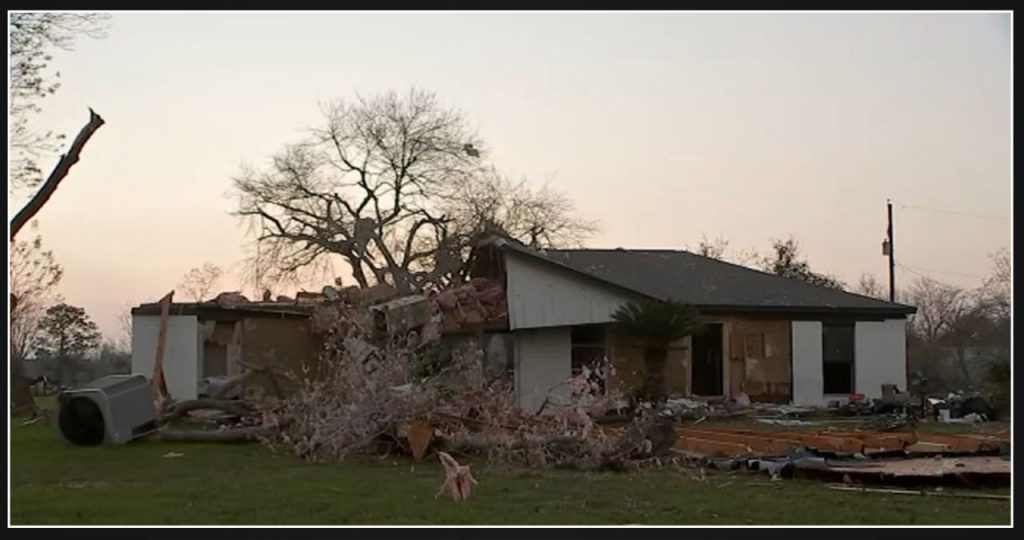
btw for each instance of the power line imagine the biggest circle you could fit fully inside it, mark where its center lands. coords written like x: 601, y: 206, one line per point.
x: 912, y: 271
x: 955, y: 212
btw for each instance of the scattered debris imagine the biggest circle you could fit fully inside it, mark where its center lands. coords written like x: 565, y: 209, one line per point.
x: 390, y: 381
x: 785, y: 422
x: 936, y: 493
x: 971, y: 418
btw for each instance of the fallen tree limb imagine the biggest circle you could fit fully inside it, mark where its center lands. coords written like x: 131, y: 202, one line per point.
x: 231, y: 407
x: 231, y: 384
x: 268, y: 371
x: 237, y: 435
x: 59, y: 172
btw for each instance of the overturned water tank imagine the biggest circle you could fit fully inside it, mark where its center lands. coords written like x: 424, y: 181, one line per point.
x: 114, y: 409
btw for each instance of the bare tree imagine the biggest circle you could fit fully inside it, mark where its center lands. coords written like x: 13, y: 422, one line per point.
x: 947, y: 316
x: 123, y: 339
x: 33, y: 36
x: 200, y: 281
x: 361, y: 187
x: 715, y: 249
x: 374, y: 186
x: 718, y: 249
x: 539, y: 217
x: 868, y: 285
x: 939, y: 308
x: 995, y: 293
x: 34, y: 277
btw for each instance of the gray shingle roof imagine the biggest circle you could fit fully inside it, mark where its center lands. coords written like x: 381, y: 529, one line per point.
x: 705, y: 282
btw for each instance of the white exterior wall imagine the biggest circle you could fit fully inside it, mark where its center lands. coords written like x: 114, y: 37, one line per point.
x: 880, y: 356
x: 543, y: 360
x: 808, y: 381
x: 182, y: 352
x: 542, y: 295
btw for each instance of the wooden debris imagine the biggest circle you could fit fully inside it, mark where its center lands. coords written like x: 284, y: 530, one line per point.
x: 419, y: 436
x: 159, y: 383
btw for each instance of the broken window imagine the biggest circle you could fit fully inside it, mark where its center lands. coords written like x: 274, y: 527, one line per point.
x: 837, y: 343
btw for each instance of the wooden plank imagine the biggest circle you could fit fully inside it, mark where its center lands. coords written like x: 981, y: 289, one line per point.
x: 811, y: 440
x: 838, y: 445
x: 877, y: 443
x: 762, y: 445
x: 708, y: 447
x: 956, y: 444
x: 928, y: 448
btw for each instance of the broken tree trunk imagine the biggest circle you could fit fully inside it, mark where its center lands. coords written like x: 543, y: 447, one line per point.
x: 59, y: 172
x: 236, y: 435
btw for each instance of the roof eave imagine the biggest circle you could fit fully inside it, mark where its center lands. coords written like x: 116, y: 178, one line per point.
x: 205, y: 309
x: 899, y: 311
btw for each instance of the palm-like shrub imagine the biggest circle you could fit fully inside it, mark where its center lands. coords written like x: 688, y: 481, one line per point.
x: 656, y: 325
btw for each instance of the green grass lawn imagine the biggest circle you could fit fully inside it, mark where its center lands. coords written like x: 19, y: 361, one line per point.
x: 52, y: 483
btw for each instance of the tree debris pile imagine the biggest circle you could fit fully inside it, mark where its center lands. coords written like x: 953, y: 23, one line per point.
x: 389, y: 381
x: 371, y: 397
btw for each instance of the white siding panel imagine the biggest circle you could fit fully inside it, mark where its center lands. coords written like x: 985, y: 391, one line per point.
x: 881, y: 356
x: 543, y: 362
x: 808, y: 379
x: 181, y: 352
x: 541, y: 295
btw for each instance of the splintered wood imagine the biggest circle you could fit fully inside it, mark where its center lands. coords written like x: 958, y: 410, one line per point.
x: 419, y: 435
x: 159, y: 383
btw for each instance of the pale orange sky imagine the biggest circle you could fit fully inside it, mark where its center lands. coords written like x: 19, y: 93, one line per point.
x: 661, y: 126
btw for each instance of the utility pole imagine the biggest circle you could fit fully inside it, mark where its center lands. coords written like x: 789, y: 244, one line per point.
x: 887, y: 249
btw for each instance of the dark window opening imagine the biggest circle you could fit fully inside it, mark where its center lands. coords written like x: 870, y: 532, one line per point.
x: 837, y: 341
x: 589, y: 349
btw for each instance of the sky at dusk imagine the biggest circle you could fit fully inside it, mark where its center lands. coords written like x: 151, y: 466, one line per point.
x: 660, y: 126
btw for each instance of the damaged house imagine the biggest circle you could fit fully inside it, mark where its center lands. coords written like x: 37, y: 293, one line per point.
x: 209, y: 340
x: 541, y: 316
x: 773, y: 338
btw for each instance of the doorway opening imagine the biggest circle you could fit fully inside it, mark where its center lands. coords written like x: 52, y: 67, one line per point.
x: 706, y: 372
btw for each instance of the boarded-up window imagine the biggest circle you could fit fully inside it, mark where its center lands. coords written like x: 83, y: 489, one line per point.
x: 754, y: 343
x: 746, y: 345
x: 736, y: 346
